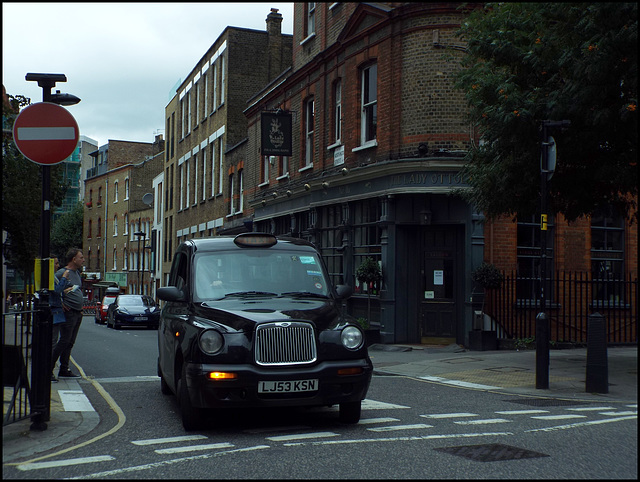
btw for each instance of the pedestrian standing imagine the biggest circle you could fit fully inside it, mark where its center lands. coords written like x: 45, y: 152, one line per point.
x: 57, y: 313
x: 72, y: 303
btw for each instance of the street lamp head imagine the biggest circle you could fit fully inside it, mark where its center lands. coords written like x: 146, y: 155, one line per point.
x: 64, y: 99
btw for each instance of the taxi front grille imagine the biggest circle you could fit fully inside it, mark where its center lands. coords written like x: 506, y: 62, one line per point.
x: 285, y: 343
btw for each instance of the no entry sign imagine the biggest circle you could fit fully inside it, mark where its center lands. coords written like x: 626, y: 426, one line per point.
x: 45, y: 133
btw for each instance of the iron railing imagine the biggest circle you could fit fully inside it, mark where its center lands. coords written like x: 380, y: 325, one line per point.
x: 571, y: 298
x: 16, y: 365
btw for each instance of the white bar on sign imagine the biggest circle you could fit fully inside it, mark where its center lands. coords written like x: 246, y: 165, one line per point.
x: 46, y: 133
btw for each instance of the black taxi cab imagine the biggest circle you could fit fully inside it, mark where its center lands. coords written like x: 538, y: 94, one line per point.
x: 253, y: 321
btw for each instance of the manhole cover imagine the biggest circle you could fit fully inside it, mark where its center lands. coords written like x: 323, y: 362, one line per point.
x: 546, y: 402
x: 490, y: 452
x: 507, y: 369
x: 464, y: 359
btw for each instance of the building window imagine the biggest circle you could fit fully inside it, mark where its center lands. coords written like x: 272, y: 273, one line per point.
x: 232, y: 209
x: 337, y: 112
x: 115, y: 192
x: 214, y: 91
x: 264, y: 174
x: 126, y: 189
x: 89, y: 230
x: 195, y: 181
x: 100, y: 196
x: 98, y: 259
x: 367, y: 239
x: 204, y: 174
x: 529, y: 250
x: 90, y: 196
x: 197, y: 103
x: 213, y: 169
x: 369, y: 119
x: 220, y: 164
x: 99, y: 228
x: 115, y: 258
x: 607, y: 254
x: 183, y: 114
x: 240, y: 190
x: 188, y: 97
x: 125, y: 260
x: 126, y: 224
x: 115, y: 225
x: 309, y: 129
x: 284, y: 166
x: 311, y: 18
x: 222, y: 79
x: 206, y: 96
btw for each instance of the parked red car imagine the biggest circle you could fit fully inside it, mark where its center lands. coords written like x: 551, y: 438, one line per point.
x: 102, y: 307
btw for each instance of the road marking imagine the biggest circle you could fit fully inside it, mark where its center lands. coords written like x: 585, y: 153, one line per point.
x: 483, y: 422
x: 458, y: 383
x: 75, y: 401
x: 558, y: 417
x: 589, y: 409
x: 167, y: 440
x: 450, y: 415
x: 282, y: 438
x: 139, y: 468
x: 366, y: 421
x: 193, y: 448
x: 521, y: 412
x: 619, y: 414
x: 64, y: 463
x: 374, y: 405
x: 277, y: 429
x: 400, y: 427
x: 581, y: 424
x: 400, y: 439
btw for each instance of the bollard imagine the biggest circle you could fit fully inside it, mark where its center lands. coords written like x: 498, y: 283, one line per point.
x: 542, y: 351
x: 597, y: 380
x: 41, y: 364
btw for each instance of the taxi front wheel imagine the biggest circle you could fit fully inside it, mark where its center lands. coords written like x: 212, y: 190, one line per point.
x: 350, y: 412
x: 191, y: 416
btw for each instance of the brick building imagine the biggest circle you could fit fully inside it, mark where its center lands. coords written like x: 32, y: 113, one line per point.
x: 207, y: 133
x: 121, y: 175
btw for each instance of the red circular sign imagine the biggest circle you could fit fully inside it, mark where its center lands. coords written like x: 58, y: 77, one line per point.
x: 45, y: 133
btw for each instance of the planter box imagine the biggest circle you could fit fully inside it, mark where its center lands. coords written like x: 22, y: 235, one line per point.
x: 483, y: 340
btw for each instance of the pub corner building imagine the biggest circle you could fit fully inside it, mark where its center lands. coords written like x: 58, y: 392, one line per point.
x: 376, y: 159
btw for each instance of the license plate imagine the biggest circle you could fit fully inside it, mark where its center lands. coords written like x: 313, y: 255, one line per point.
x: 290, y: 386
x: 140, y: 318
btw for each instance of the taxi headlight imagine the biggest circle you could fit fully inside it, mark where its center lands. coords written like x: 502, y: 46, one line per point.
x: 211, y: 342
x: 352, y: 338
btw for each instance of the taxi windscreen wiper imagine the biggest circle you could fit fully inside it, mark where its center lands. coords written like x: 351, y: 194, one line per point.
x: 250, y: 293
x: 303, y: 293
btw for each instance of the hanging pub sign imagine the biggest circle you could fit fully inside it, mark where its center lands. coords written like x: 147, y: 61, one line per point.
x: 276, y: 133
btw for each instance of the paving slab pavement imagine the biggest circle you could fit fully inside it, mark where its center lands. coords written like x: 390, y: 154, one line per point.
x: 509, y: 371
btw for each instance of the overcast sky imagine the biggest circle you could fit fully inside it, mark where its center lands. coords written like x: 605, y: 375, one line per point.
x: 122, y: 59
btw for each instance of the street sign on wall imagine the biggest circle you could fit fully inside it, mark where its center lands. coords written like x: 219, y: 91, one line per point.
x: 45, y: 133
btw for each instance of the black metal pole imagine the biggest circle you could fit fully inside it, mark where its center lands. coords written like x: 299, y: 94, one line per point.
x: 42, y: 330
x: 542, y: 322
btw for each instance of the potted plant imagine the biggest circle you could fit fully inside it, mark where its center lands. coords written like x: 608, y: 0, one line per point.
x: 369, y: 272
x: 487, y: 276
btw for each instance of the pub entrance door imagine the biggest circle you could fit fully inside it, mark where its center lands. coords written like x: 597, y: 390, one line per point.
x: 439, y: 277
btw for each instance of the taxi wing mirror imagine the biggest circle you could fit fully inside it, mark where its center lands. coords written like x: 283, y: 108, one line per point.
x: 343, y: 291
x: 170, y: 293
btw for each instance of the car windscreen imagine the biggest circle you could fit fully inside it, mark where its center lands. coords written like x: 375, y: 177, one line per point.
x: 258, y: 271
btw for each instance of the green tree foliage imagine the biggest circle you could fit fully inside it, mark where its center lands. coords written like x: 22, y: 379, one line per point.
x: 66, y: 232
x: 22, y: 197
x: 529, y: 62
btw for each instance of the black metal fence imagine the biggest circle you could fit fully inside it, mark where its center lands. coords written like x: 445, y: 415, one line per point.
x: 16, y: 365
x: 571, y: 298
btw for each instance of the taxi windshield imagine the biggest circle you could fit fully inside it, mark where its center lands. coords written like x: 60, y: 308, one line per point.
x: 258, y: 272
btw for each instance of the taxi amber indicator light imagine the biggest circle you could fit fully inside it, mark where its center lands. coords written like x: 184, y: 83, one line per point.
x: 350, y: 371
x: 222, y: 376
x: 255, y: 240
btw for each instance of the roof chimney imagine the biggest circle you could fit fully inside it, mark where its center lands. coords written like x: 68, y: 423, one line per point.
x: 274, y: 31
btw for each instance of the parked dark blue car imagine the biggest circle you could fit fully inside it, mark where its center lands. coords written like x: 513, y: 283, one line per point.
x: 133, y: 310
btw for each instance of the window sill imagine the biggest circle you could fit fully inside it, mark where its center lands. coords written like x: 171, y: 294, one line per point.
x: 333, y: 146
x: 306, y: 168
x: 366, y: 145
x: 284, y: 177
x: 264, y: 184
x: 309, y: 37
